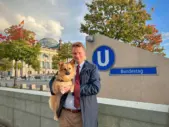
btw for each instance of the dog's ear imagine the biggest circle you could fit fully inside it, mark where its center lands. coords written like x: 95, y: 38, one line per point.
x: 72, y: 62
x: 60, y: 64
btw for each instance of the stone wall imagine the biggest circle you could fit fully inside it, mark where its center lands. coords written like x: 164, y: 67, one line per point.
x: 26, y: 108
x: 142, y: 88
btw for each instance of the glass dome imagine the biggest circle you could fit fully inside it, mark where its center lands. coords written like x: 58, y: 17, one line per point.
x: 48, y: 42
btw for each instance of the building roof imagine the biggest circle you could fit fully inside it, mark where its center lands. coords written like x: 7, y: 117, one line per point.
x: 49, y: 43
x: 55, y: 47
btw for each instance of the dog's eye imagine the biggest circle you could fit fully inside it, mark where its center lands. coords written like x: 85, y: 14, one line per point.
x: 69, y: 68
x: 65, y: 69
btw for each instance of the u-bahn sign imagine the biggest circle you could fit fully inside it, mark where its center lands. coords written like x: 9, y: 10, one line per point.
x: 104, y: 58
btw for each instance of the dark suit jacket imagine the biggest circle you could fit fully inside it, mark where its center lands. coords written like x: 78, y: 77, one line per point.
x: 89, y: 88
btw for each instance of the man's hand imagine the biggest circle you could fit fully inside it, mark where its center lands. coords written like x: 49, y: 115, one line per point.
x: 65, y: 89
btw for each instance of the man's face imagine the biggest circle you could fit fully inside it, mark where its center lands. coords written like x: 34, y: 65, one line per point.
x: 78, y: 54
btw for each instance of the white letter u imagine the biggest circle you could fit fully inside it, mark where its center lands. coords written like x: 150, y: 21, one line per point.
x: 106, y: 58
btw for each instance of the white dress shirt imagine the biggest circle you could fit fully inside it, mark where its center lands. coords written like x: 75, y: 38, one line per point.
x: 69, y: 103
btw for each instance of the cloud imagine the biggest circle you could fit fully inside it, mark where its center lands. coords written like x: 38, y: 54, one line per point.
x: 47, y: 28
x: 88, y: 1
x: 53, y: 2
x: 42, y: 28
x: 3, y: 24
x: 80, y: 18
x: 165, y: 36
x: 47, y: 18
x: 5, y: 18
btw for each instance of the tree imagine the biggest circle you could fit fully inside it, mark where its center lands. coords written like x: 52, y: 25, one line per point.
x: 5, y: 65
x: 16, y: 32
x: 21, y: 51
x: 19, y: 65
x: 151, y: 41
x: 33, y: 61
x: 64, y: 53
x: 123, y: 20
x: 2, y: 38
x: 2, y: 49
x: 19, y: 45
x: 55, y: 61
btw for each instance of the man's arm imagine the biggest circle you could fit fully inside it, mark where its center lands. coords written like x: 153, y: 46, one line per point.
x: 50, y: 85
x: 93, y: 86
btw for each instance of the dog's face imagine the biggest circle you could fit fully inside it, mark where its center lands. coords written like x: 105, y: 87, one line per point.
x: 66, y: 71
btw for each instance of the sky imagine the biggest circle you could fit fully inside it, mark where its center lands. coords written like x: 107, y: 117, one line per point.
x: 160, y: 18
x: 47, y: 18
x: 61, y: 18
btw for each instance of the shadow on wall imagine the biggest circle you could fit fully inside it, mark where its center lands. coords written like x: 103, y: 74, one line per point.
x: 5, y: 123
x: 168, y: 118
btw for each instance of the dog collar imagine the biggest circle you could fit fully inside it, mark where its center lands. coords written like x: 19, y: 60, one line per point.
x: 60, y: 80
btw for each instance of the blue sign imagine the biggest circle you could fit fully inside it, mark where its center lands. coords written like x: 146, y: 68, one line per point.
x: 134, y: 71
x: 103, y: 57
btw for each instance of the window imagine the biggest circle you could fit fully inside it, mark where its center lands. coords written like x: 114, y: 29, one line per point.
x: 29, y: 72
x: 48, y: 65
x: 45, y: 57
x: 43, y: 63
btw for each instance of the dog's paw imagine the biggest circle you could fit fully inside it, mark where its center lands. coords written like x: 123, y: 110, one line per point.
x: 72, y: 89
x: 50, y: 105
x: 56, y: 118
x: 65, y: 90
x: 62, y: 91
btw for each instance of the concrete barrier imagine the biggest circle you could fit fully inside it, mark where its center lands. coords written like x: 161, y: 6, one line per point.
x: 23, y: 86
x: 7, y: 85
x: 43, y: 87
x: 32, y: 87
x: 4, y: 84
x: 23, y: 108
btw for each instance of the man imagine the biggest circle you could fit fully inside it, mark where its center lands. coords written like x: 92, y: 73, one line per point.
x: 80, y: 108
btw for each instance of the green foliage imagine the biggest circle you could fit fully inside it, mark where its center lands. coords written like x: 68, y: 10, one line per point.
x: 21, y: 51
x: 123, y: 20
x: 19, y: 45
x: 16, y: 50
x: 19, y: 65
x: 118, y: 19
x: 2, y: 49
x: 5, y: 64
x: 55, y: 60
x: 64, y: 53
x: 32, y: 60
